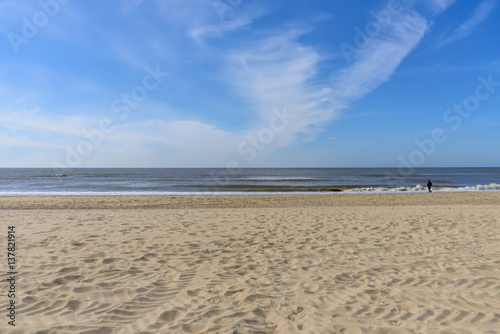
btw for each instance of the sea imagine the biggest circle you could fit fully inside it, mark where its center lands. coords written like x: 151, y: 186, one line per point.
x: 247, y: 181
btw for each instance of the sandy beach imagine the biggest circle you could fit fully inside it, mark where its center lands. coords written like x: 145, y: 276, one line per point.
x: 332, y: 263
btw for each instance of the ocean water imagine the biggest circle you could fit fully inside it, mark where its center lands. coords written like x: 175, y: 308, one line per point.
x: 190, y: 181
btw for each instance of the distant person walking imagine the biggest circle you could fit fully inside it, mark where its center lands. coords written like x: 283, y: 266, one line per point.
x: 429, y: 185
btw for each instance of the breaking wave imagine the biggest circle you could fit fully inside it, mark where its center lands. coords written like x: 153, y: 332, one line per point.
x: 420, y: 188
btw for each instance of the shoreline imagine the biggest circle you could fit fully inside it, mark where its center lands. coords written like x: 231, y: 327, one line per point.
x: 271, y: 190
x: 244, y: 201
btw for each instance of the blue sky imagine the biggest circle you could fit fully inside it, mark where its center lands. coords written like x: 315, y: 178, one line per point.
x: 249, y: 83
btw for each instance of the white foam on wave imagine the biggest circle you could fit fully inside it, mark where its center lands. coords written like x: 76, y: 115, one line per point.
x: 420, y: 188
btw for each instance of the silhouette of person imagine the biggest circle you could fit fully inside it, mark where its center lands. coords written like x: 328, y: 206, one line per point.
x: 429, y: 185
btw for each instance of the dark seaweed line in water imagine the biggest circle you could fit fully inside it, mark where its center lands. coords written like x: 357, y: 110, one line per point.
x: 255, y: 187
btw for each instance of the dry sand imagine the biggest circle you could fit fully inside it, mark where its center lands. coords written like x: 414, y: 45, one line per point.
x: 336, y: 263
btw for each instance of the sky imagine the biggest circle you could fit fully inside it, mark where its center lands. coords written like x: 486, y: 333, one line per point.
x: 249, y: 83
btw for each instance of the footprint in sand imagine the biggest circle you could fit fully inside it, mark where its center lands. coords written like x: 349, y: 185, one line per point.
x: 298, y: 315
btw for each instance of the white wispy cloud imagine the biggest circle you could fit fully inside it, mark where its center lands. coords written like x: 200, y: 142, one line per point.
x: 188, y: 142
x: 376, y: 62
x: 280, y: 71
x: 199, y: 33
x: 437, y: 6
x: 9, y: 141
x: 154, y: 142
x: 229, y: 20
x: 32, y: 122
x: 480, y: 13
